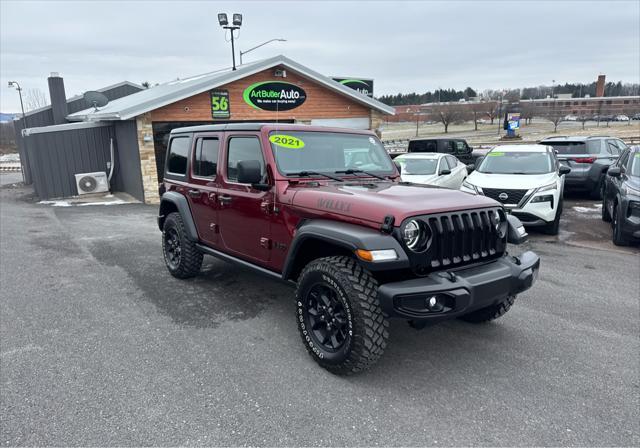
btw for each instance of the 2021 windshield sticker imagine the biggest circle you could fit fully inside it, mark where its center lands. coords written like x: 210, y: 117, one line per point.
x: 286, y: 141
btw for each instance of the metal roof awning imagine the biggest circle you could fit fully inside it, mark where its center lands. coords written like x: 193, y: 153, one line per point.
x: 153, y: 98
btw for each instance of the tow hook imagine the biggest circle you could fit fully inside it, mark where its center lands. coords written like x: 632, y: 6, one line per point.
x: 448, y: 275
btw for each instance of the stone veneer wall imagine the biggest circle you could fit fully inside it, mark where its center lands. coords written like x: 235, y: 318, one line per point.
x: 376, y: 122
x: 147, y: 159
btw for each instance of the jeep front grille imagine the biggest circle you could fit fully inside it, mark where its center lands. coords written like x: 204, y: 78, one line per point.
x: 460, y: 238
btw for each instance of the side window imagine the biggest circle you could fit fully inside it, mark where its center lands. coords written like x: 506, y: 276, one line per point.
x: 453, y: 162
x: 612, y: 147
x: 206, y: 157
x: 243, y: 148
x: 431, y: 147
x: 178, y: 153
x: 622, y: 145
x: 448, y: 146
x: 461, y: 147
x: 622, y: 161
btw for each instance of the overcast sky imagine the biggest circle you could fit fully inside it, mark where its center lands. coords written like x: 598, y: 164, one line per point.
x: 404, y: 46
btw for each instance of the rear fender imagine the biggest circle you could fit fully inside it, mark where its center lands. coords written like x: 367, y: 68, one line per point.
x: 172, y: 201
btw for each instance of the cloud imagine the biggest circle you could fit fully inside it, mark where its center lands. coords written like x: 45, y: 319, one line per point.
x: 404, y: 46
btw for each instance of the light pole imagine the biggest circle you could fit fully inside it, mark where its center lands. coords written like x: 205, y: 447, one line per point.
x: 19, y: 89
x: 499, y: 120
x: 258, y: 46
x: 24, y: 117
x: 236, y: 24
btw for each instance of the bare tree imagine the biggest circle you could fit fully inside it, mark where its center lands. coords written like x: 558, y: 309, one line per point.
x: 583, y: 117
x: 554, y: 114
x: 7, y: 138
x: 476, y: 110
x: 527, y: 111
x: 490, y: 109
x: 630, y: 110
x: 446, y: 113
x: 35, y: 99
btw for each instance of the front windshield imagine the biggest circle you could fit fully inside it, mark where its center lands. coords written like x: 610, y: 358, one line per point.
x: 635, y: 165
x: 497, y: 162
x: 417, y: 166
x: 328, y: 152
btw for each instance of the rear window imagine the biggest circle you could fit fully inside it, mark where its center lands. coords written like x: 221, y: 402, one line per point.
x: 177, y: 159
x: 590, y: 147
x: 423, y: 146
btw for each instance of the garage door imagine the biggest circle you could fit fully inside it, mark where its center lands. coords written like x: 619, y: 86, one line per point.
x: 351, y: 123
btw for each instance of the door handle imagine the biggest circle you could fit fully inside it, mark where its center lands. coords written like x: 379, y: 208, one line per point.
x: 194, y: 193
x: 225, y: 199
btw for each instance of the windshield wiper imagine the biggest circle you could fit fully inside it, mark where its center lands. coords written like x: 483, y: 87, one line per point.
x: 352, y: 171
x: 315, y: 173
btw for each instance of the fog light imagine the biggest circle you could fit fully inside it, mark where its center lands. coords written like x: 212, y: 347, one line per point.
x: 434, y: 304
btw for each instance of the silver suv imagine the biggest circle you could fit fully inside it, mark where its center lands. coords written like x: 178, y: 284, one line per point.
x: 589, y: 158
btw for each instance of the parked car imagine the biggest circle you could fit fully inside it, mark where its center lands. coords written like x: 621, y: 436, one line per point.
x: 621, y: 203
x: 570, y: 118
x: 455, y: 146
x: 441, y: 170
x: 621, y: 118
x: 526, y: 179
x: 359, y: 246
x: 636, y: 116
x: 589, y: 158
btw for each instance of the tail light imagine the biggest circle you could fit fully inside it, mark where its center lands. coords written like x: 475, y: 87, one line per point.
x: 584, y: 159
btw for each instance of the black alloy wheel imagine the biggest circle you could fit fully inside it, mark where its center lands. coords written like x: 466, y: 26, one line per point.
x: 327, y: 317
x: 173, y: 249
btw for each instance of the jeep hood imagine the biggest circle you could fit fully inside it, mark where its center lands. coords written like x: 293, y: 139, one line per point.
x: 372, y: 201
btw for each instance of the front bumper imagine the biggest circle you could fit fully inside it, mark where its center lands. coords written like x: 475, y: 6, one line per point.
x: 630, y: 221
x: 459, y: 292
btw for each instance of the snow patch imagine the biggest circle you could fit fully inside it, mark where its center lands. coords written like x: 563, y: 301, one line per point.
x: 596, y: 208
x: 116, y: 202
x: 56, y: 203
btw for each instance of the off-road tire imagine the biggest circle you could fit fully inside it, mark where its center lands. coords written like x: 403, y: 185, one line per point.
x: 357, y: 292
x: 190, y: 258
x: 606, y: 217
x: 617, y: 237
x: 489, y: 313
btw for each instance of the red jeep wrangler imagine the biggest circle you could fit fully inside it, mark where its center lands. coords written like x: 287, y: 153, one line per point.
x: 324, y: 210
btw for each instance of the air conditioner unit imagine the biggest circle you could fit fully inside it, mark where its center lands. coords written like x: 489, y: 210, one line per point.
x: 92, y: 183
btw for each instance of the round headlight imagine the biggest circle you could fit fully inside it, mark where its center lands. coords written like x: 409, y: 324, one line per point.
x: 414, y: 235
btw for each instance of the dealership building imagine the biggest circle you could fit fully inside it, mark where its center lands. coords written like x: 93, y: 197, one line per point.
x: 131, y: 130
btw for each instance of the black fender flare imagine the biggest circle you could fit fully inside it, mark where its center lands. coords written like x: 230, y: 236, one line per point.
x: 180, y: 203
x: 346, y: 236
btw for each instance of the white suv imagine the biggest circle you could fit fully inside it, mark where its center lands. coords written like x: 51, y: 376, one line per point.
x: 526, y: 179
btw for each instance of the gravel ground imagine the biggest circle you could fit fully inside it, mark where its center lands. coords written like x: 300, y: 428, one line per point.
x: 100, y: 346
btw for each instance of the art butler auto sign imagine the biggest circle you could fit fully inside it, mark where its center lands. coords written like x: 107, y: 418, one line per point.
x: 364, y: 86
x: 274, y: 95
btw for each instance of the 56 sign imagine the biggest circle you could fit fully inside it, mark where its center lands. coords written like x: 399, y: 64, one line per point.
x: 220, y: 104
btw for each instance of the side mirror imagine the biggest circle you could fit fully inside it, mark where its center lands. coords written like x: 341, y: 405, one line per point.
x: 397, y: 164
x: 249, y: 172
x: 444, y: 172
x: 614, y: 171
x: 564, y: 169
x: 470, y: 168
x: 516, y: 234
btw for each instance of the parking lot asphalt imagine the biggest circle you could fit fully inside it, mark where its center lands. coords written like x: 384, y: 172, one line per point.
x: 99, y: 345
